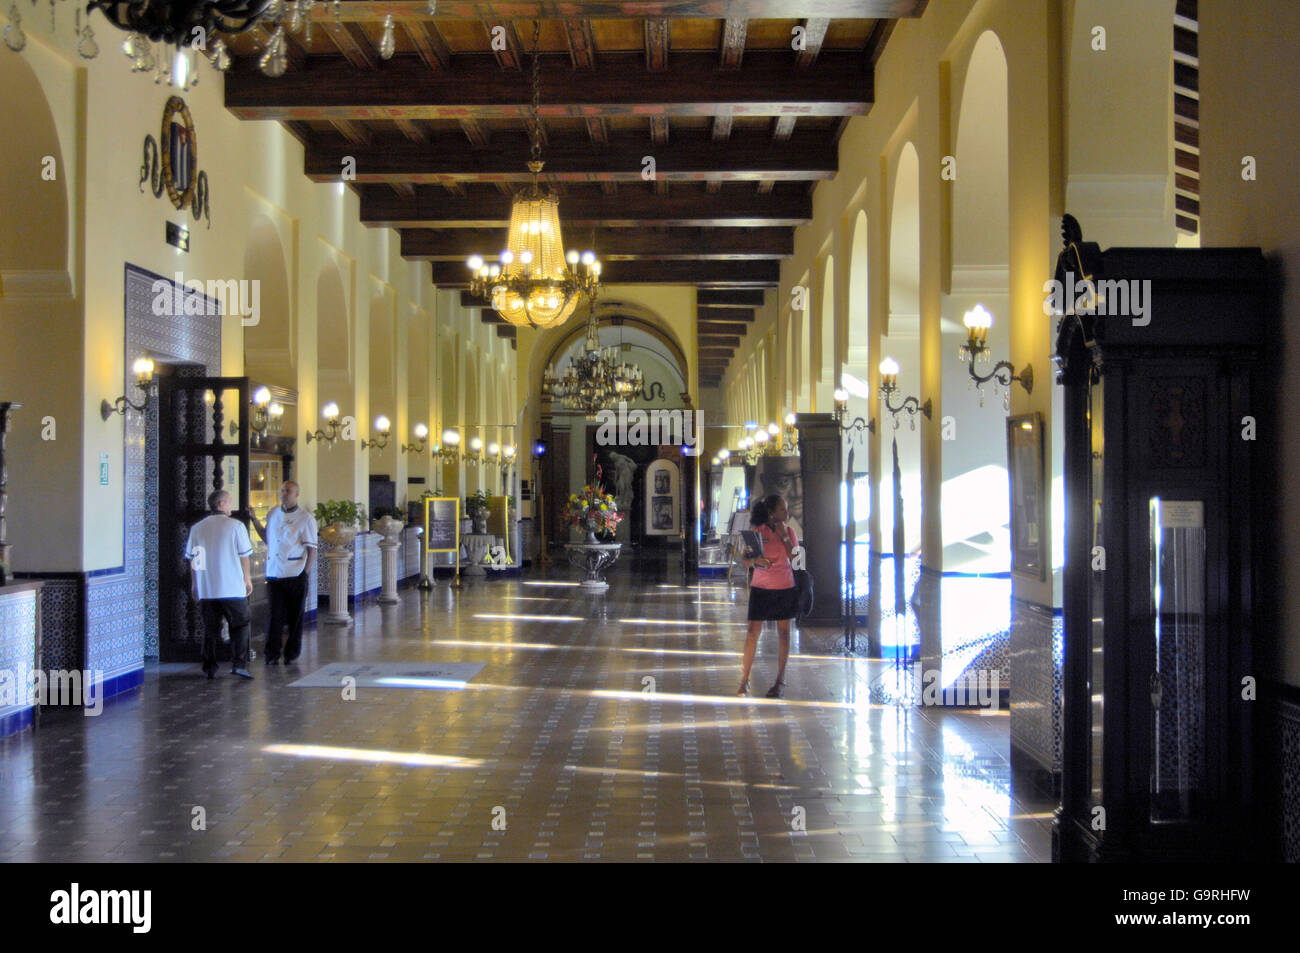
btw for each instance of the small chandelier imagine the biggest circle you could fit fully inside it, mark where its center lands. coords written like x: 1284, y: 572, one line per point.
x: 200, y: 26
x: 594, y: 379
x: 536, y: 283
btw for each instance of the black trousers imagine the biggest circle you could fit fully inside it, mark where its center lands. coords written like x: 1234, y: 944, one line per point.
x: 235, y: 612
x: 288, y: 596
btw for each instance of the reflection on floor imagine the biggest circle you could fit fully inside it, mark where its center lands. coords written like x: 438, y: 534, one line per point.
x: 600, y: 728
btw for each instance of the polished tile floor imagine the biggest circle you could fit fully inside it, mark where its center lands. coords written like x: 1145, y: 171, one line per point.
x: 602, y: 727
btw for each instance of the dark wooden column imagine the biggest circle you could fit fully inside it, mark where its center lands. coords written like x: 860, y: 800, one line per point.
x: 820, y: 469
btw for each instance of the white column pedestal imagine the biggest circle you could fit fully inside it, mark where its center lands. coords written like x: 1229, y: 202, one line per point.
x: 339, y: 560
x: 388, y: 547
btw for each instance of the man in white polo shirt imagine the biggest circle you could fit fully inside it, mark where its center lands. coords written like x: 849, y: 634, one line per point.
x: 221, y: 580
x: 290, y: 534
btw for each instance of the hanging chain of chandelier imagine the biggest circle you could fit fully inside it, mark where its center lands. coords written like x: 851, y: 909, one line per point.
x: 167, y: 38
x: 595, y: 379
x: 535, y: 283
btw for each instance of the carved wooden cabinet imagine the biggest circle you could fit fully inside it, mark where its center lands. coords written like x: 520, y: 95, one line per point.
x: 1158, y: 565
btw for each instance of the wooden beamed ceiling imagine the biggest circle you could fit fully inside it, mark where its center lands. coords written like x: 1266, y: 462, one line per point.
x: 740, y: 104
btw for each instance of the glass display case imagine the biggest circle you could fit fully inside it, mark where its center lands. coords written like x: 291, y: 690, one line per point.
x: 265, y: 476
x: 1156, y: 729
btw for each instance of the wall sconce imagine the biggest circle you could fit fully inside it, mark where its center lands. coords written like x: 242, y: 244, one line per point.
x: 449, y: 452
x: 421, y: 434
x: 976, y: 350
x: 539, y: 448
x: 857, y: 424
x: 508, y: 453
x: 267, y: 416
x: 475, y: 455
x: 889, y: 386
x: 331, y: 432
x: 383, y: 427
x: 789, y: 436
x: 143, y: 370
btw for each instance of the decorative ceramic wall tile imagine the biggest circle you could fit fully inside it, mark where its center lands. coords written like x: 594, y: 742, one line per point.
x: 1037, y: 655
x: 122, y: 609
x: 17, y: 645
x: 61, y: 624
x: 1288, y: 744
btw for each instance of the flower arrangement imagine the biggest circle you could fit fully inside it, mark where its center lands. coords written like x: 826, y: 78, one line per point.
x: 593, y: 510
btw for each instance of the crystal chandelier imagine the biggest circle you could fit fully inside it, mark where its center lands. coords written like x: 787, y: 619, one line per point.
x: 166, y: 38
x: 535, y: 283
x: 595, y: 378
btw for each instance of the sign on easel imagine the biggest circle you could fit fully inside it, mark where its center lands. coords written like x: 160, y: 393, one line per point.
x: 442, y: 526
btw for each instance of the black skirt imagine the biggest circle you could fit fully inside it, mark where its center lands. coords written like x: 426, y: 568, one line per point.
x: 766, y: 605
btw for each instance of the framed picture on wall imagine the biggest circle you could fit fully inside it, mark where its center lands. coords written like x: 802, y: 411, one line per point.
x: 1028, y: 499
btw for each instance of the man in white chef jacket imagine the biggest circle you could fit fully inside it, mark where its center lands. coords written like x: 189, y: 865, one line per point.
x: 220, y: 579
x: 290, y: 535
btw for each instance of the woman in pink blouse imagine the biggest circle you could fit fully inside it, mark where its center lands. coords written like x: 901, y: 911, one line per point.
x: 772, y: 592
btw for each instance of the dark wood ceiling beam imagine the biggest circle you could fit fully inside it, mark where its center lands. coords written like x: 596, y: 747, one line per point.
x: 840, y: 85
x: 608, y: 187
x: 476, y: 133
x: 708, y: 313
x: 721, y: 327
x: 730, y: 299
x: 722, y: 127
x: 754, y: 274
x: 428, y: 42
x: 814, y: 36
x: 498, y: 10
x: 412, y: 130
x: 511, y: 58
x: 353, y: 132
x: 683, y: 208
x: 717, y: 340
x: 876, y: 41
x: 612, y: 244
x: 733, y: 42
x: 659, y: 132
x: 582, y: 46
x: 742, y: 158
x: 351, y: 42
x: 507, y: 331
x: 598, y: 130
x: 657, y: 34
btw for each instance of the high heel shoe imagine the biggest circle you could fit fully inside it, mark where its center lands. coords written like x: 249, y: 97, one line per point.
x: 743, y: 691
x: 777, y: 690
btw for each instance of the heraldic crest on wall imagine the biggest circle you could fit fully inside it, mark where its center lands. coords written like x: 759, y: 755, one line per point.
x: 178, y: 174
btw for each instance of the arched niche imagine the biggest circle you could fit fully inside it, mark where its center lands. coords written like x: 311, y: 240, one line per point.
x: 33, y: 208
x: 383, y: 363
x: 269, y: 345
x: 975, y: 539
x: 826, y: 338
x: 333, y: 332
x: 901, y: 341
x: 556, y: 342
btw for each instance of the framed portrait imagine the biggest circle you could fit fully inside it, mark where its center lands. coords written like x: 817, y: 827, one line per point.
x: 1028, y: 499
x: 662, y: 499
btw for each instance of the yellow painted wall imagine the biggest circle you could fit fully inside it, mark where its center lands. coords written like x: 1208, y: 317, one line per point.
x: 1250, y: 106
